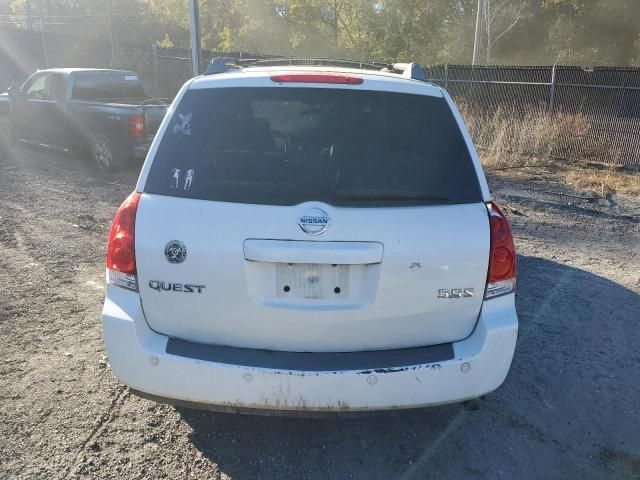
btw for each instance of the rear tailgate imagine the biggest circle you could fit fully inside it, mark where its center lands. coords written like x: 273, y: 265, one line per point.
x: 153, y: 116
x: 237, y: 286
x: 312, y: 219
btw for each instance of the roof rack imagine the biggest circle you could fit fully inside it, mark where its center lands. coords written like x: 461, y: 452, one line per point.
x: 221, y: 65
x: 408, y: 70
x: 411, y: 70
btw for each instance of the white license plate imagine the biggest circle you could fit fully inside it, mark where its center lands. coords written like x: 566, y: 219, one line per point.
x: 310, y: 280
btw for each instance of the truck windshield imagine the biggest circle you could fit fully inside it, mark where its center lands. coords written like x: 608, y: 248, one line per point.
x: 284, y: 146
x: 107, y: 85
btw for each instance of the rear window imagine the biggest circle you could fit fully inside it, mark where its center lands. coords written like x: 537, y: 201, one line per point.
x: 107, y: 85
x: 284, y: 146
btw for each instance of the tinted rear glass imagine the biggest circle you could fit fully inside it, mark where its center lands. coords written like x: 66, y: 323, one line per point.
x: 107, y: 85
x: 284, y: 146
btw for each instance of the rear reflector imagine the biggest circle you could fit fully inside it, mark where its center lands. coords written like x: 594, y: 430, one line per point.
x: 136, y: 126
x: 501, y: 278
x: 121, y: 255
x: 317, y: 78
x: 124, y: 280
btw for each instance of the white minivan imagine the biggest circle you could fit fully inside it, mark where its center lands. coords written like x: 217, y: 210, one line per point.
x: 315, y: 238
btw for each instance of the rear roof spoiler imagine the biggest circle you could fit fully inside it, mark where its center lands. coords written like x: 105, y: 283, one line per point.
x: 413, y: 71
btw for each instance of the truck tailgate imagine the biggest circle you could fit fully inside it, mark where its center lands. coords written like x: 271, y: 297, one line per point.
x: 153, y: 117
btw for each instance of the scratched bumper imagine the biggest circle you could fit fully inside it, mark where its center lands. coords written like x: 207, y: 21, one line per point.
x: 138, y: 357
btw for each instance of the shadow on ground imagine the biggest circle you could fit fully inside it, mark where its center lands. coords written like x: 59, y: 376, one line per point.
x: 72, y: 167
x: 566, y: 409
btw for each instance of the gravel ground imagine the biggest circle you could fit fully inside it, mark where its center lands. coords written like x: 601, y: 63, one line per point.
x: 568, y: 409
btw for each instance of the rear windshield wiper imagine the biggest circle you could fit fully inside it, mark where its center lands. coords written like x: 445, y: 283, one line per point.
x: 388, y: 195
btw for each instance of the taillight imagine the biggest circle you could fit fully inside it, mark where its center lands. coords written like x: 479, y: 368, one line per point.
x: 317, y: 78
x: 121, y: 254
x: 501, y: 278
x: 136, y: 126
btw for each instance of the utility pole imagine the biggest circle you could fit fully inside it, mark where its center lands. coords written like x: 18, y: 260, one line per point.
x: 194, y: 26
x: 44, y: 45
x: 487, y: 26
x: 27, y: 7
x: 478, y: 36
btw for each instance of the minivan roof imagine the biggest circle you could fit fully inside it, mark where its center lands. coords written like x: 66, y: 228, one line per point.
x: 376, y: 79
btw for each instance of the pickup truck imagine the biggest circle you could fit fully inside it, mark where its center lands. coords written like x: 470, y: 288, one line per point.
x: 104, y: 112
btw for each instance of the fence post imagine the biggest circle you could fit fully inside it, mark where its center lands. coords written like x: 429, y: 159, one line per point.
x: 446, y: 77
x: 154, y: 56
x: 552, y: 92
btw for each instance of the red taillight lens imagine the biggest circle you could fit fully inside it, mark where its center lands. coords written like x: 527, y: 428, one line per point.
x: 317, y: 78
x: 121, y: 255
x: 136, y: 126
x: 501, y: 278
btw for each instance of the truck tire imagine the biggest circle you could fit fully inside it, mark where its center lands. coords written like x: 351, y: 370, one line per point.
x: 106, y: 155
x: 8, y: 137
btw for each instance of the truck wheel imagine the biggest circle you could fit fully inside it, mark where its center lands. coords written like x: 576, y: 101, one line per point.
x: 8, y: 137
x: 105, y: 155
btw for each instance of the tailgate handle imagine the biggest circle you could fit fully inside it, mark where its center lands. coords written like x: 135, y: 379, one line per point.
x: 290, y: 251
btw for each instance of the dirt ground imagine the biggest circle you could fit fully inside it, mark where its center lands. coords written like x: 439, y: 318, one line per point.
x: 570, y: 407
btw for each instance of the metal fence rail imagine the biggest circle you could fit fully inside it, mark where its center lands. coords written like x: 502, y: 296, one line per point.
x: 577, y: 114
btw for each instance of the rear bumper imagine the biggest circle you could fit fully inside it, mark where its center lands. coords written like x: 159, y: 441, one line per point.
x: 138, y: 357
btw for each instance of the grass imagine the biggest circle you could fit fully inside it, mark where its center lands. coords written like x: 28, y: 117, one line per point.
x: 603, y: 182
x: 525, y: 144
x: 590, y: 180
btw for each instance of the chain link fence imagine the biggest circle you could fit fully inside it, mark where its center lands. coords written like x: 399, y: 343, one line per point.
x: 556, y: 111
x: 172, y: 67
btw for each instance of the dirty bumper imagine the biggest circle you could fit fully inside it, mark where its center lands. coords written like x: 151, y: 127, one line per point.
x: 169, y: 369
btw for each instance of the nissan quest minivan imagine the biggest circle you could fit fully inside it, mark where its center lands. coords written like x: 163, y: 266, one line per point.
x: 311, y: 237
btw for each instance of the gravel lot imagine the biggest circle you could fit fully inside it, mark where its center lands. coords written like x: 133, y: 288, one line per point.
x: 570, y: 407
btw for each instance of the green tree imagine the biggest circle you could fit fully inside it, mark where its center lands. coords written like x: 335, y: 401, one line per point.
x: 430, y: 31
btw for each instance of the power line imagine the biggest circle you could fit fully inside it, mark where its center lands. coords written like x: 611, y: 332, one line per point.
x: 22, y: 15
x: 70, y: 23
